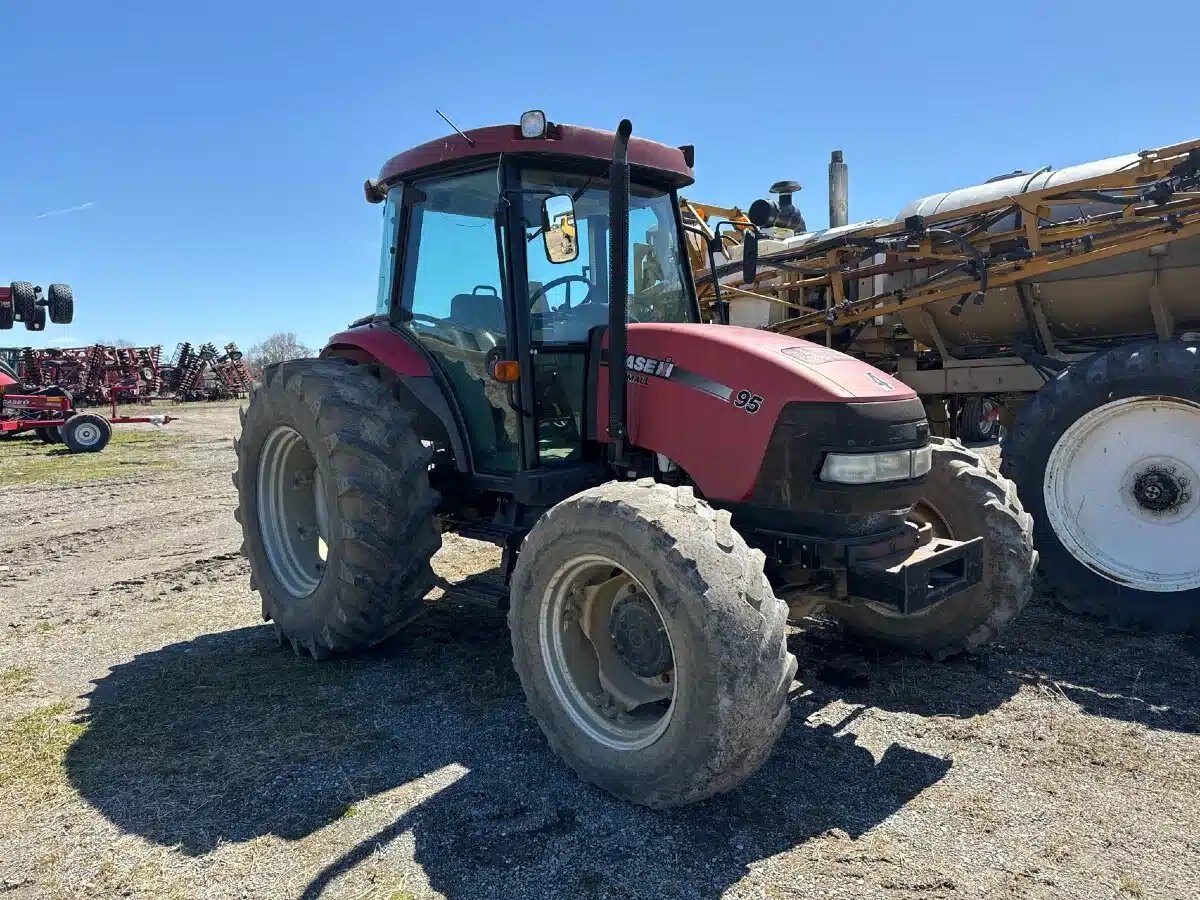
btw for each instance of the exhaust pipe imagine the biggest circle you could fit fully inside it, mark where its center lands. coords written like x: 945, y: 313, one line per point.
x: 839, y: 191
x: 784, y: 214
x: 618, y: 287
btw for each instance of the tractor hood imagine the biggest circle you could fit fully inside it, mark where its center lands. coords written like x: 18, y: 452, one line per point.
x: 708, y: 396
x: 727, y: 359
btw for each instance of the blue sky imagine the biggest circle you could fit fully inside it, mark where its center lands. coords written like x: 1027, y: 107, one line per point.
x: 194, y: 170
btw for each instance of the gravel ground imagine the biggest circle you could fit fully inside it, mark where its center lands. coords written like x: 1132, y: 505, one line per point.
x: 156, y: 742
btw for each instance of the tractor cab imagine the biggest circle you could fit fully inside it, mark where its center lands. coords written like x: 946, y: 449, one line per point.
x: 498, y: 266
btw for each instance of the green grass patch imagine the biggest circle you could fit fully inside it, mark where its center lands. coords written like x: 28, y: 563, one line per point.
x: 26, y: 460
x: 32, y: 750
x: 13, y: 679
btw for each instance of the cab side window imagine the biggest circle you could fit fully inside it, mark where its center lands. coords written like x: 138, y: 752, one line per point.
x: 451, y: 300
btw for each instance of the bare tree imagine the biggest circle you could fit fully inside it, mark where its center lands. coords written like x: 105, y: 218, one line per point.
x: 116, y: 342
x: 277, y: 348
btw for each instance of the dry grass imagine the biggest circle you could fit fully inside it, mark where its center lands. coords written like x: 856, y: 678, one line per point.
x: 26, y: 460
x: 32, y: 751
x: 1132, y: 886
x: 14, y: 679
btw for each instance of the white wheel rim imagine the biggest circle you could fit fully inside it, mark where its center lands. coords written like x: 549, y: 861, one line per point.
x: 603, y: 697
x: 1121, y: 490
x: 87, y: 435
x: 293, y: 515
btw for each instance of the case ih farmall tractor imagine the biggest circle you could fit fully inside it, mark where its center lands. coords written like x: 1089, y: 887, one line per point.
x: 665, y: 492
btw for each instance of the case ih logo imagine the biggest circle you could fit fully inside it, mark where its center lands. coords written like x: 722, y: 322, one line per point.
x: 641, y: 366
x: 33, y: 402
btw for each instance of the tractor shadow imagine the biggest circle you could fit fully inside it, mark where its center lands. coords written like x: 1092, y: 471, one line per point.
x: 226, y: 738
x: 1127, y: 675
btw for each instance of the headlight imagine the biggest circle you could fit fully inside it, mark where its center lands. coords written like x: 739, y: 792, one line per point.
x: 869, y: 468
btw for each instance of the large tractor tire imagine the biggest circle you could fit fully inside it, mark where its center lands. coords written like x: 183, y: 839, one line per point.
x: 36, y: 320
x: 24, y: 299
x: 61, y: 303
x: 335, y: 506
x: 964, y: 498
x: 6, y: 316
x: 1107, y: 459
x: 650, y: 645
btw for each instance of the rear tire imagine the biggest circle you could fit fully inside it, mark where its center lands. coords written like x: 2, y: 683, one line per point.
x: 61, y: 302
x: 86, y: 433
x: 964, y: 498
x: 730, y: 670
x: 23, y: 298
x: 369, y: 502
x: 1077, y: 451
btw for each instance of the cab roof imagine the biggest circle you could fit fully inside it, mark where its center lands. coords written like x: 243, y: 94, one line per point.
x: 666, y: 162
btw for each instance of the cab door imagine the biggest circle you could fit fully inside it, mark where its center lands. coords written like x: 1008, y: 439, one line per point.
x: 450, y: 299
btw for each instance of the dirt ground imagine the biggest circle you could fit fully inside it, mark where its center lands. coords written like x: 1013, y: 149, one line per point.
x: 156, y: 742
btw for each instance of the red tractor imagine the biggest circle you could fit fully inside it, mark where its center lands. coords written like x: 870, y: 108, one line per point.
x: 22, y: 302
x: 667, y: 493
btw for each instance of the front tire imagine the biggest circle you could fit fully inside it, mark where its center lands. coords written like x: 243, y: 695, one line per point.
x: 1107, y: 459
x: 675, y: 688
x: 964, y: 498
x: 335, y: 506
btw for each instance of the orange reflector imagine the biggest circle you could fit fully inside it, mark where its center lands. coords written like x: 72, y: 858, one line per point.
x: 506, y: 371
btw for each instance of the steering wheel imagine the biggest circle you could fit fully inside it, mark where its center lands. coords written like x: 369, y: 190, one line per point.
x: 565, y: 279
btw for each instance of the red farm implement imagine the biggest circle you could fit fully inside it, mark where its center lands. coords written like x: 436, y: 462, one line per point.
x: 96, y: 374
x: 51, y: 414
x: 204, y: 373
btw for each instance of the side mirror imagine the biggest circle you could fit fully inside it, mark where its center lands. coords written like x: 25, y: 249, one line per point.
x: 558, y: 229
x: 749, y: 256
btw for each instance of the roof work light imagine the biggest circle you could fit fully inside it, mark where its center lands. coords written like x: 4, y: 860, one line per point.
x: 533, y: 124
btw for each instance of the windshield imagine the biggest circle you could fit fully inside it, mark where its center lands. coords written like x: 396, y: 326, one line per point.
x: 569, y: 298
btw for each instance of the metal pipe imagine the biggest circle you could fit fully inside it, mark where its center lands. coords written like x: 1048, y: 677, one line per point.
x: 618, y: 287
x: 839, y: 191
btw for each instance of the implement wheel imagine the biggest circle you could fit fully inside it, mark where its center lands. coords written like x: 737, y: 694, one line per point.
x: 1107, y: 458
x: 650, y: 646
x: 964, y: 498
x: 86, y: 433
x: 335, y: 506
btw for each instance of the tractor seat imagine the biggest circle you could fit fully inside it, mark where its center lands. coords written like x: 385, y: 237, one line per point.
x: 478, y: 312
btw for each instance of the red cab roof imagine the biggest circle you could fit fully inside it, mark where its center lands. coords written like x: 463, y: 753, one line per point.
x: 562, y: 140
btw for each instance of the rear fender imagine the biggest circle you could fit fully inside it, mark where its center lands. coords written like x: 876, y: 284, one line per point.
x: 401, y: 360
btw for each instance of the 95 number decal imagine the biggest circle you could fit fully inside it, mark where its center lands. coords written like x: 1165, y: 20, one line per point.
x: 751, y: 403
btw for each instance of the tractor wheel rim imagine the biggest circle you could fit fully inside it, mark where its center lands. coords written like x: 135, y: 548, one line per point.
x: 293, y: 515
x: 592, y: 679
x: 1122, y: 487
x: 87, y: 435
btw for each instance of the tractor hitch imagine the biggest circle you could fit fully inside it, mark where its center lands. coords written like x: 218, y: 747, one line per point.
x: 917, y: 576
